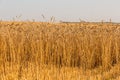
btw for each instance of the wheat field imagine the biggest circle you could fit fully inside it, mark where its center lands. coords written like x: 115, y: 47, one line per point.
x: 59, y: 51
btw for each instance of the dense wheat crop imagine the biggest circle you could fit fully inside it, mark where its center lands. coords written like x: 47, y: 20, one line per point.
x: 59, y: 51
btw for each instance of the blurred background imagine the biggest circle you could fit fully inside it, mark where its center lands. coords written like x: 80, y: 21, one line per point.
x: 60, y: 10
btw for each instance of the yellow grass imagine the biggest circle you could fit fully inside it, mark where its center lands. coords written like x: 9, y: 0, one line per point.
x: 59, y: 51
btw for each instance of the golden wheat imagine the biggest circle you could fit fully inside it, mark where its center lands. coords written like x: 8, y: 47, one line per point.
x: 59, y: 51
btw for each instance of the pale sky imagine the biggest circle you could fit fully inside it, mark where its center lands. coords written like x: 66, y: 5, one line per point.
x: 65, y: 10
